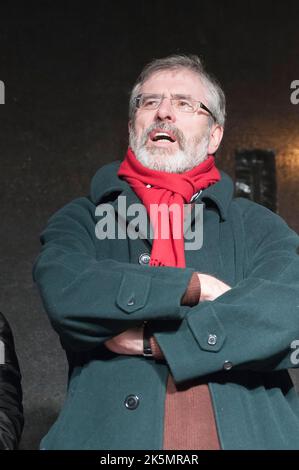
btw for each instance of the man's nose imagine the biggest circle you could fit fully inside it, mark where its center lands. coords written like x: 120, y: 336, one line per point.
x: 165, y: 110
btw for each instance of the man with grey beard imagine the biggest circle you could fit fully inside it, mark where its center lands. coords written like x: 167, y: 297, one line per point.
x: 189, y: 154
x: 169, y: 347
x: 192, y: 149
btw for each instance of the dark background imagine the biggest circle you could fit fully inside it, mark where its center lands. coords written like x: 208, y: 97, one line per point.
x: 68, y: 68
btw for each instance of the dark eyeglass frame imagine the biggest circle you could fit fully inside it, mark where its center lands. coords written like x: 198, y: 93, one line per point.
x: 175, y: 97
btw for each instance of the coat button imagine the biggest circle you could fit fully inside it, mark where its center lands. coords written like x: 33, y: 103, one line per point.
x: 212, y: 340
x: 131, y: 402
x: 144, y: 258
x: 227, y: 365
x: 131, y: 302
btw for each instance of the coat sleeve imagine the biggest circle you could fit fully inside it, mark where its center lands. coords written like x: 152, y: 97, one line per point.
x: 11, y: 409
x: 255, y: 325
x: 90, y: 299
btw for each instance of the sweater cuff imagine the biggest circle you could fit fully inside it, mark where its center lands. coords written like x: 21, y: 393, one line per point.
x: 192, y: 294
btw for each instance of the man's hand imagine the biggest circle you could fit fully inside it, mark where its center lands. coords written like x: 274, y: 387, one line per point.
x: 211, y: 287
x: 128, y: 342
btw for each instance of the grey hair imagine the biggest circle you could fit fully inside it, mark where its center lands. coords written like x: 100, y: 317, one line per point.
x: 215, y: 94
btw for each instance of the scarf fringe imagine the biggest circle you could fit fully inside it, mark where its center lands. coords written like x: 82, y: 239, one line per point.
x: 156, y: 262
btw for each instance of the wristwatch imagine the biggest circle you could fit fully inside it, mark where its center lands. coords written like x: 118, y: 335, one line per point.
x: 147, y: 333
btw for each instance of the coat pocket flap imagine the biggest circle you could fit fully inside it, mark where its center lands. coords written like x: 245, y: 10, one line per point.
x: 207, y: 329
x: 133, y: 292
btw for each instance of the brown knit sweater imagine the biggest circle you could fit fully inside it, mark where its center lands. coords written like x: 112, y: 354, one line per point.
x: 189, y: 421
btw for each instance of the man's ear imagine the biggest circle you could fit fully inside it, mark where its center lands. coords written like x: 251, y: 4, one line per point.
x: 129, y: 126
x: 216, y: 135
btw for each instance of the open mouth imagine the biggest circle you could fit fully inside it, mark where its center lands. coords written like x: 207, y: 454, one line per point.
x: 158, y: 135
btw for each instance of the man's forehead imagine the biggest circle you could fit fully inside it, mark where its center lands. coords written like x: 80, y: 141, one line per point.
x: 176, y: 81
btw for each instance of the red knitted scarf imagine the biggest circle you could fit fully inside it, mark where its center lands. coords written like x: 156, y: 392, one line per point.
x: 160, y: 187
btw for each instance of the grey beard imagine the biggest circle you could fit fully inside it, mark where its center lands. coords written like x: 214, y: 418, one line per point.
x: 189, y: 155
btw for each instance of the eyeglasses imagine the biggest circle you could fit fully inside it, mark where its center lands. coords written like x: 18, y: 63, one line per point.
x: 181, y: 103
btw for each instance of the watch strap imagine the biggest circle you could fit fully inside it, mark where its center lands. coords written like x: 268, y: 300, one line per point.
x: 147, y: 332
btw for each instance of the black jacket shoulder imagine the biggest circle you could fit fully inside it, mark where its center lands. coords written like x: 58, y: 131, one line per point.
x: 11, y: 409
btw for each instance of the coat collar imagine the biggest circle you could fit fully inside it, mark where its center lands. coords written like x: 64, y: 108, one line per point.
x: 106, y: 186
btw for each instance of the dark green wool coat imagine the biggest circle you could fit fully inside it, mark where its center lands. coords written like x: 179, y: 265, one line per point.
x: 86, y: 285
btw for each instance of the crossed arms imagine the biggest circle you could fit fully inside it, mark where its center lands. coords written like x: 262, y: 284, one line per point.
x: 86, y: 296
x: 131, y: 340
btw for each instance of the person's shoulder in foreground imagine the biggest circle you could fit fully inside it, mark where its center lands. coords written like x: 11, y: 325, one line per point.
x: 11, y: 409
